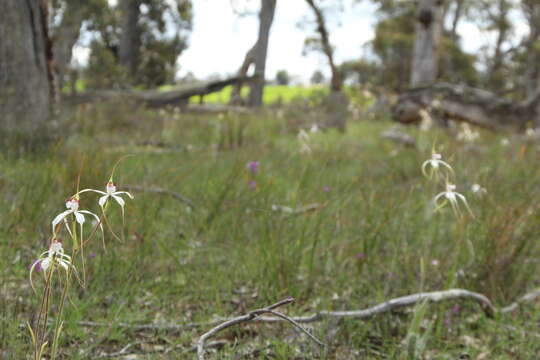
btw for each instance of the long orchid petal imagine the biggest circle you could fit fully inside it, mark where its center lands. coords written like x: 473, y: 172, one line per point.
x: 102, y: 200
x: 60, y: 217
x: 124, y: 192
x: 92, y: 190
x: 119, y: 200
x: 79, y: 217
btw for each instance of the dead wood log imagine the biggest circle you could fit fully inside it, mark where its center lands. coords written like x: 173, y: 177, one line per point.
x: 462, y: 103
x: 154, y: 98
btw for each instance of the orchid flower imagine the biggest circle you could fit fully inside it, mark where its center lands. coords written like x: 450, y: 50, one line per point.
x: 435, y: 163
x: 478, y: 189
x: 110, y: 192
x: 450, y: 195
x: 72, y: 206
x: 54, y: 256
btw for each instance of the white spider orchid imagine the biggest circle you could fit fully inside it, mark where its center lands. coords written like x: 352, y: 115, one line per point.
x: 110, y: 192
x: 54, y: 256
x: 435, y: 163
x: 450, y: 195
x: 72, y: 206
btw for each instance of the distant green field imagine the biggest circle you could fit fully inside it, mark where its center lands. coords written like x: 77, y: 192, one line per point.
x: 272, y: 94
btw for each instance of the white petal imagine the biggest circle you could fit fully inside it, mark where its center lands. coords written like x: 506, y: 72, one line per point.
x: 59, y: 218
x: 124, y: 192
x: 102, y: 200
x: 119, y: 200
x: 45, y: 263
x: 79, y: 217
x: 439, y: 196
x: 63, y: 264
x: 96, y: 191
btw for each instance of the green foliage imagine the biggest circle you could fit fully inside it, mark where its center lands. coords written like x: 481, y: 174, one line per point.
x: 283, y: 77
x: 393, y: 45
x: 162, y: 30
x: 317, y: 78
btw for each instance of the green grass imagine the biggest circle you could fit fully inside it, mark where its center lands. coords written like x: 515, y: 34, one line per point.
x: 272, y: 94
x: 232, y: 253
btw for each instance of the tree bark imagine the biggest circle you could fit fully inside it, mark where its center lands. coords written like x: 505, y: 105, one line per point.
x: 494, y: 79
x: 428, y: 33
x: 461, y: 103
x: 266, y: 17
x: 25, y: 76
x: 336, y: 82
x: 455, y: 20
x: 128, y: 49
x: 532, y: 69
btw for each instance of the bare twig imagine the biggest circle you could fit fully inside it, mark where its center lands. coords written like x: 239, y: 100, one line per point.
x: 161, y: 191
x: 297, y: 211
x: 249, y: 317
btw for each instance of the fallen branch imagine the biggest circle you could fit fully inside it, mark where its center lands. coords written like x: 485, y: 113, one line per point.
x: 249, y: 317
x: 161, y: 191
x: 528, y: 297
x: 297, y: 211
x: 462, y: 103
x: 154, y: 98
x: 404, y: 301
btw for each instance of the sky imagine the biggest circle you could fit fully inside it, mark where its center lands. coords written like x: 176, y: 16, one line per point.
x: 220, y: 38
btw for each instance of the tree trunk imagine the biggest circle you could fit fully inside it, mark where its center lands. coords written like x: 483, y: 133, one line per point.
x: 455, y: 20
x: 532, y: 69
x: 128, y: 49
x: 428, y: 33
x: 266, y: 17
x: 66, y: 36
x: 494, y: 78
x: 461, y: 103
x: 236, y: 94
x: 25, y: 77
x: 336, y: 82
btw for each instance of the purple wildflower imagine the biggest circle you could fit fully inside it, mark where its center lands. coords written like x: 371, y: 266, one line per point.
x: 252, y: 184
x: 360, y: 256
x: 455, y: 309
x: 92, y: 255
x: 326, y: 188
x: 253, y: 166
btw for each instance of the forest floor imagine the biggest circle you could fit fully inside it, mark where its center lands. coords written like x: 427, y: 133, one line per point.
x: 370, y: 235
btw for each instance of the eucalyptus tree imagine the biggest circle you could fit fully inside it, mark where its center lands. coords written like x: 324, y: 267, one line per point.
x: 26, y: 75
